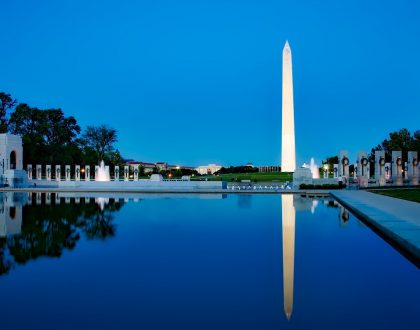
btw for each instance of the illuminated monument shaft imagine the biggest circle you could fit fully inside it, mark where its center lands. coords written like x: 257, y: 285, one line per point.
x: 288, y: 156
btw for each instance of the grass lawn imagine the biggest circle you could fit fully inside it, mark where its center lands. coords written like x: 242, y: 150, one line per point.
x: 275, y: 176
x: 407, y: 194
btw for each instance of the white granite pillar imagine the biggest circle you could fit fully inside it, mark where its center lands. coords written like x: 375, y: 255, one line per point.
x: 413, y: 167
x: 117, y: 173
x: 38, y: 172
x: 48, y: 172
x: 57, y: 172
x: 87, y: 173
x: 380, y: 167
x: 343, y: 163
x: 335, y: 171
x: 29, y: 169
x: 126, y: 173
x: 77, y: 172
x: 68, y: 173
x: 397, y: 168
x: 136, y: 173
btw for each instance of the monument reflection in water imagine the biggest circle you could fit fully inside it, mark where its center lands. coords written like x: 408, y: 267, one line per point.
x: 288, y: 235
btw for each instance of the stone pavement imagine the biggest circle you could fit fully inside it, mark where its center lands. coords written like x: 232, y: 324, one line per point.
x: 397, y: 219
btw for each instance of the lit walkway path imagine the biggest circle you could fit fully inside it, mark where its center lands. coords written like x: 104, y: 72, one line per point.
x: 397, y: 219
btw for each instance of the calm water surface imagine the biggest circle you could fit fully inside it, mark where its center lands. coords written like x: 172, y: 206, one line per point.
x: 197, y: 262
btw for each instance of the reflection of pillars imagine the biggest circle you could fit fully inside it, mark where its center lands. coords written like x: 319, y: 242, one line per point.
x: 38, y: 198
x: 77, y: 200
x: 288, y: 230
x: 57, y: 199
x: 87, y: 200
x: 48, y: 198
x: 67, y: 200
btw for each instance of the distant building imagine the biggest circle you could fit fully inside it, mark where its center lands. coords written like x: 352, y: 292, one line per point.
x: 148, y: 167
x: 208, y: 169
x: 269, y: 169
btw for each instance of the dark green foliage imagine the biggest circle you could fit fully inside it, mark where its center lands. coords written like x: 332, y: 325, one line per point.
x: 100, y: 140
x: 237, y: 169
x: 49, y: 137
x: 401, y: 140
x: 6, y: 103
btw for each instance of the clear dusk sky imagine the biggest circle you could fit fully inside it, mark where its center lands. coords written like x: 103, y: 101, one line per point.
x: 197, y: 82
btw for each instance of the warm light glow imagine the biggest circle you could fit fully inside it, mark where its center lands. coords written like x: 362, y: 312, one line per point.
x: 82, y: 170
x: 177, y: 167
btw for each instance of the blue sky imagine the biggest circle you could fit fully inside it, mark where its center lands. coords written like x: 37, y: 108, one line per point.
x: 197, y: 82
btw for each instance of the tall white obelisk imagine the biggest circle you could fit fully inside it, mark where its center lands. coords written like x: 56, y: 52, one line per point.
x: 288, y: 155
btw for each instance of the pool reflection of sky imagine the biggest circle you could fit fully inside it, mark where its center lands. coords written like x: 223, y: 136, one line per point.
x: 215, y: 262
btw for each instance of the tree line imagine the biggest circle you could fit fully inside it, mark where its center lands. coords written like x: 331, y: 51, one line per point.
x: 50, y: 137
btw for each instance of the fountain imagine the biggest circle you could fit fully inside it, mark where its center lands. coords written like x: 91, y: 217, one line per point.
x: 314, y: 169
x: 103, y: 172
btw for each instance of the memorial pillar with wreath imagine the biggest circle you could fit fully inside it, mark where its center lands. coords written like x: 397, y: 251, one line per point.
x: 362, y: 168
x: 380, y: 167
x: 413, y: 167
x: 343, y: 164
x: 397, y: 168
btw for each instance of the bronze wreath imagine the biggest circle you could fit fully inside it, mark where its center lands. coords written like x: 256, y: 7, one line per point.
x: 382, y: 161
x: 399, y: 161
x: 345, y: 161
x: 364, y: 161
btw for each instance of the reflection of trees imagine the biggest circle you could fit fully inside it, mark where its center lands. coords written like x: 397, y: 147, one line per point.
x: 48, y: 230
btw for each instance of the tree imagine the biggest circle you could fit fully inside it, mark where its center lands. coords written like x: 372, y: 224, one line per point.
x: 100, y: 139
x: 401, y: 140
x: 47, y: 135
x: 6, y: 103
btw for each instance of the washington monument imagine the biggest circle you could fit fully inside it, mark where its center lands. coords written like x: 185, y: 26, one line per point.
x: 288, y: 156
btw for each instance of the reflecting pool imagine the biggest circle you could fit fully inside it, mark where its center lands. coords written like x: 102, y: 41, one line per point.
x: 197, y: 262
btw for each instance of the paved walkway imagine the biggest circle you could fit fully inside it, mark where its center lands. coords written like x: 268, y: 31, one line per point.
x: 397, y: 219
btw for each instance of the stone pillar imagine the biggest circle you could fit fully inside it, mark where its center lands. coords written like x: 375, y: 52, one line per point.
x: 387, y: 169
x: 126, y: 173
x: 380, y: 167
x: 29, y: 167
x: 335, y: 171
x: 343, y: 163
x: 87, y: 173
x: 38, y: 172
x: 325, y: 171
x: 57, y: 172
x: 77, y: 172
x: 107, y: 172
x: 136, y: 173
x: 48, y: 172
x: 362, y: 169
x: 96, y: 172
x: 117, y: 173
x: 413, y: 167
x: 397, y: 168
x: 68, y: 173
